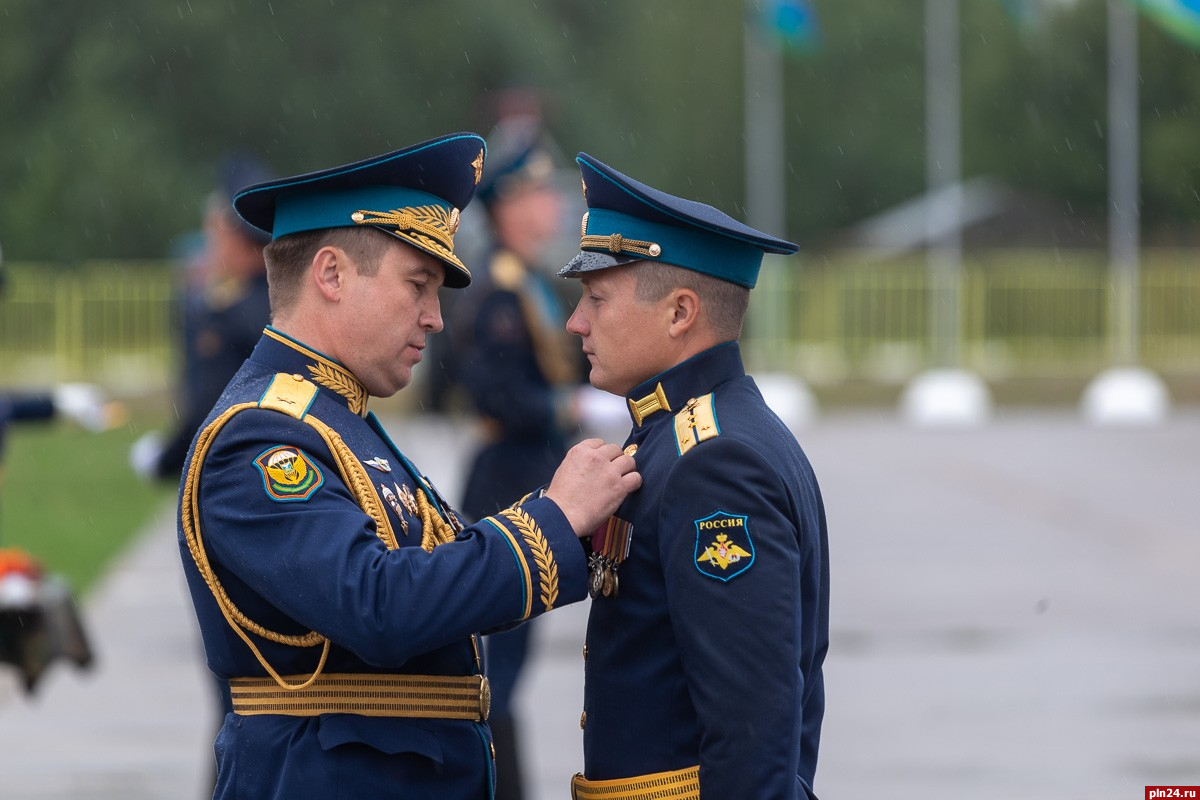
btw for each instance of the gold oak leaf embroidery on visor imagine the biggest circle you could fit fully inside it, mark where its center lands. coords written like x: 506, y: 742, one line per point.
x: 433, y: 225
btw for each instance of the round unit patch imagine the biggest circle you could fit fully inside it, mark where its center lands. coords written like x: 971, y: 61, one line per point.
x: 288, y: 474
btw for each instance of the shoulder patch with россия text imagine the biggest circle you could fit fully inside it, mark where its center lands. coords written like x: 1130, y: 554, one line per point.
x: 723, y: 546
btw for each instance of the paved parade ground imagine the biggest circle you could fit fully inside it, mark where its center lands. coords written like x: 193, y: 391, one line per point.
x: 1015, y: 613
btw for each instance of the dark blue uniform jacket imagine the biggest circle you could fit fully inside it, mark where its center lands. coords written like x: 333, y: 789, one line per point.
x: 307, y: 519
x: 710, y: 653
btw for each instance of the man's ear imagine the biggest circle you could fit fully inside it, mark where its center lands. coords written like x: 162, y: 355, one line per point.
x: 327, y: 272
x: 685, y: 311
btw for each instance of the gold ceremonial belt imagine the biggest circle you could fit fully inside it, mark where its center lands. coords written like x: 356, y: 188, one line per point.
x: 683, y: 784
x: 423, y: 696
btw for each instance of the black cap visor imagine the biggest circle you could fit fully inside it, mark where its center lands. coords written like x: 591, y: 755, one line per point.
x: 588, y: 261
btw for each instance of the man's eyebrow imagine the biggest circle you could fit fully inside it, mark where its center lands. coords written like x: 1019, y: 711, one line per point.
x: 426, y: 271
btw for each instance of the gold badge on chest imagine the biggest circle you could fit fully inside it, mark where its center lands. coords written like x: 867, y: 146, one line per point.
x: 394, y: 499
x: 408, y: 499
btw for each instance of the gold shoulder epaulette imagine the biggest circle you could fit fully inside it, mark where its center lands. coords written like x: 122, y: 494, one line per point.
x: 696, y: 422
x: 507, y: 271
x: 291, y: 394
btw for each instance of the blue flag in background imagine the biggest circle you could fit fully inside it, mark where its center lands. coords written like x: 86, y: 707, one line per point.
x: 793, y: 23
x: 1180, y: 18
x: 1023, y: 11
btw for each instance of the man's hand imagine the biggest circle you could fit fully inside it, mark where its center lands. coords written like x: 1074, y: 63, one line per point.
x: 591, y: 482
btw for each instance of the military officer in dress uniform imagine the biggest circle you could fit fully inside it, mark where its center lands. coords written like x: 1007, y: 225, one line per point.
x: 709, y: 623
x: 517, y: 365
x: 338, y: 596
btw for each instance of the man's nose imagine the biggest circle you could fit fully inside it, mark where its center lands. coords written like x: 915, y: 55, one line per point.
x: 575, y: 323
x: 433, y: 317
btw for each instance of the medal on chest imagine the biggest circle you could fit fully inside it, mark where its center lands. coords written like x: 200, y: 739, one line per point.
x: 610, y: 547
x: 393, y: 500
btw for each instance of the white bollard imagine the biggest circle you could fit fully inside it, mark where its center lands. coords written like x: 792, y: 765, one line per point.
x: 946, y: 398
x: 1126, y: 396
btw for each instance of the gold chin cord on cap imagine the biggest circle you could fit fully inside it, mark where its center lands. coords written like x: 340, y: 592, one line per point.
x: 616, y: 243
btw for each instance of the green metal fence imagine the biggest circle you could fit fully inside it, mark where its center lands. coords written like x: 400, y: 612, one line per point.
x: 1022, y: 314
x: 110, y: 323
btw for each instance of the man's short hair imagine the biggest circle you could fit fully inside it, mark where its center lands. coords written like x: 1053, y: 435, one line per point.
x: 288, y: 258
x: 724, y: 303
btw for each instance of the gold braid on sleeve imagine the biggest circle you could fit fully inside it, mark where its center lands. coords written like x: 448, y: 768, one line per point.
x: 542, y: 556
x: 190, y: 520
x: 434, y: 529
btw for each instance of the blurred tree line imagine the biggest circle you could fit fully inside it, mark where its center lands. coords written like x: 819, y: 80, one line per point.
x: 115, y: 113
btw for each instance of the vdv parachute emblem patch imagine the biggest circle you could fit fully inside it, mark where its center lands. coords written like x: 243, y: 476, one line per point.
x: 723, y: 546
x: 288, y: 474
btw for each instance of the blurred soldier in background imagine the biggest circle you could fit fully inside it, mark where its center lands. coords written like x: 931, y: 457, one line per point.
x: 517, y: 365
x: 224, y: 308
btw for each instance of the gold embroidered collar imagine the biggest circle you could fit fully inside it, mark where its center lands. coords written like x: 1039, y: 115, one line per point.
x: 330, y: 374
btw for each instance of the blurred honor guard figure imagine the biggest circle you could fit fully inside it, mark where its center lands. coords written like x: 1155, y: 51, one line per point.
x: 222, y: 318
x: 338, y: 596
x: 710, y: 619
x: 516, y: 364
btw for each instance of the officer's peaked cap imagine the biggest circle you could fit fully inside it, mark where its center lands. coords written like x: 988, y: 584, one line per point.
x: 628, y: 221
x: 415, y: 194
x: 519, y: 155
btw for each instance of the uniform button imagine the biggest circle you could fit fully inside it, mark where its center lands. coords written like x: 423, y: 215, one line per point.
x: 582, y: 720
x: 493, y: 746
x: 485, y: 697
x: 631, y: 449
x: 585, y: 652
